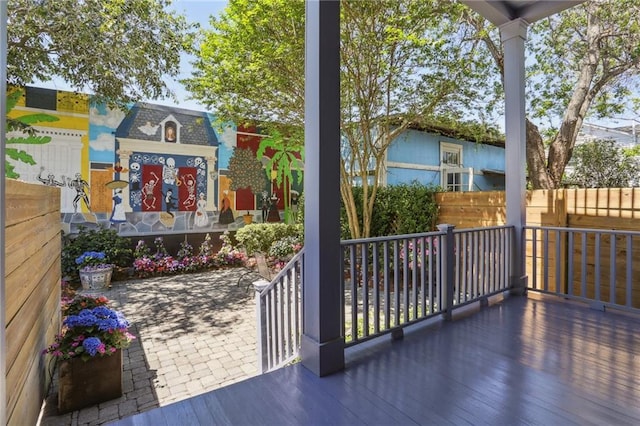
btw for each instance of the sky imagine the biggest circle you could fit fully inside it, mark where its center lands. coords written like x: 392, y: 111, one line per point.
x: 199, y: 11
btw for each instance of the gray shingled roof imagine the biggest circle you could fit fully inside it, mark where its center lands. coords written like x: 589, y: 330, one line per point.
x: 195, y: 125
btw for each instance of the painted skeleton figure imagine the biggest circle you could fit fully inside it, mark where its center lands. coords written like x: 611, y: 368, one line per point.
x: 191, y: 187
x: 148, y: 192
x: 50, y: 180
x: 169, y: 171
x: 79, y: 185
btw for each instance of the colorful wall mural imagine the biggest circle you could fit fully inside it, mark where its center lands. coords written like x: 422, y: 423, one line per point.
x: 153, y: 169
x: 148, y: 169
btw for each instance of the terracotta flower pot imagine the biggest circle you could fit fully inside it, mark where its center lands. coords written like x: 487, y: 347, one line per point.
x: 85, y: 383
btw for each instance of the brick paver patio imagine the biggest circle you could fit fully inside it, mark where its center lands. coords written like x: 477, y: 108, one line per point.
x: 196, y: 333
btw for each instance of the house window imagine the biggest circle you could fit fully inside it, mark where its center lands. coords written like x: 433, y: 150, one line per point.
x: 450, y: 165
x: 41, y: 98
x: 170, y: 132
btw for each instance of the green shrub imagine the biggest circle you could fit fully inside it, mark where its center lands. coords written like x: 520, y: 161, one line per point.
x: 259, y: 237
x: 398, y: 209
x: 286, y: 247
x: 117, y: 249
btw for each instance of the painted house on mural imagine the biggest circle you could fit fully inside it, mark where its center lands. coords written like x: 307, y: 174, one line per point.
x: 437, y: 156
x: 164, y: 176
x: 149, y: 170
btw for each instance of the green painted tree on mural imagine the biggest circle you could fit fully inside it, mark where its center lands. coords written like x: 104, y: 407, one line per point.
x: 283, y: 161
x: 245, y: 171
x: 20, y: 131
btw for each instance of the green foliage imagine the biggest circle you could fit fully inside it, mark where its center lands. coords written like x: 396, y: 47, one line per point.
x: 601, y: 164
x: 286, y: 247
x: 117, y: 249
x: 245, y: 171
x: 206, y: 248
x: 299, y: 216
x: 141, y: 250
x: 603, y: 36
x: 284, y: 159
x: 398, y: 65
x: 122, y: 51
x: 259, y: 237
x: 583, y: 63
x: 399, y: 209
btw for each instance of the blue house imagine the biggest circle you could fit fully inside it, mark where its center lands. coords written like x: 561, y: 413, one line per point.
x: 435, y: 155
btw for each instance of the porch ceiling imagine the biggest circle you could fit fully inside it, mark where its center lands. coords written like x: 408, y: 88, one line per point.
x: 502, y: 11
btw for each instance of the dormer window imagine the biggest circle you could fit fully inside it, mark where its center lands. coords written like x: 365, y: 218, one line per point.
x: 170, y: 132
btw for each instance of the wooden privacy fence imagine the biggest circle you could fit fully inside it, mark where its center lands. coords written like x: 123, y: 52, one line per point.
x: 32, y: 294
x: 592, y: 256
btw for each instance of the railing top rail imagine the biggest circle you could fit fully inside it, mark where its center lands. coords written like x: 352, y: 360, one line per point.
x: 283, y: 272
x: 390, y: 238
x: 483, y: 228
x: 586, y: 230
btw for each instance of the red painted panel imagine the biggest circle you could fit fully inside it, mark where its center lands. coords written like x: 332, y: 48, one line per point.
x: 151, y: 188
x: 245, y: 200
x: 187, y: 191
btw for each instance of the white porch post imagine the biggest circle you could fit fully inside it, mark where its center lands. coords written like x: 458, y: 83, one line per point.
x: 514, y: 34
x: 3, y: 141
x: 322, y: 346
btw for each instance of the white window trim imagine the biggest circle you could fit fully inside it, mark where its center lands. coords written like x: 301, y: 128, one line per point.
x: 446, y: 168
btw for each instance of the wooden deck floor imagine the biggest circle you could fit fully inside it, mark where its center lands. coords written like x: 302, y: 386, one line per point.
x: 522, y: 361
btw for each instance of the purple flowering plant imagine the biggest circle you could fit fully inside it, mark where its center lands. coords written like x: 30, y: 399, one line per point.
x: 91, y: 261
x: 161, y: 263
x: 89, y: 329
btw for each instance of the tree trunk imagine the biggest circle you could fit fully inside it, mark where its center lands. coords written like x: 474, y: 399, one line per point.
x: 562, y: 144
x: 536, y: 161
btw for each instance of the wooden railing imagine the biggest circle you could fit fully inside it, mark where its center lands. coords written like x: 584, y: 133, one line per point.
x: 481, y: 262
x: 593, y: 265
x: 278, y: 309
x: 410, y: 278
x: 388, y: 283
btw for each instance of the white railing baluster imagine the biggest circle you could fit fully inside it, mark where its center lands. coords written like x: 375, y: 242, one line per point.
x: 597, y: 274
x: 474, y: 262
x: 629, y: 285
x: 595, y: 257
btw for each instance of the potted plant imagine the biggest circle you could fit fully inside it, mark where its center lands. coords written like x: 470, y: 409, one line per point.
x: 89, y: 352
x: 94, y: 272
x: 248, y: 218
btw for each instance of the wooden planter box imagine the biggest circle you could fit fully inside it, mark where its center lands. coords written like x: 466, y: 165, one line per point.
x: 85, y: 383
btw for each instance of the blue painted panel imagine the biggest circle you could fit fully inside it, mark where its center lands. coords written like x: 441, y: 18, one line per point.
x: 415, y: 147
x: 396, y: 175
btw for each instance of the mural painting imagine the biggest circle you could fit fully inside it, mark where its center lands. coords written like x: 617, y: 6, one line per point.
x: 146, y: 169
x: 63, y: 160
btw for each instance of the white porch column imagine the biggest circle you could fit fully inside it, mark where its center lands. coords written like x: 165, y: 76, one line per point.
x: 124, y: 157
x: 514, y: 34
x: 322, y: 342
x: 3, y: 141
